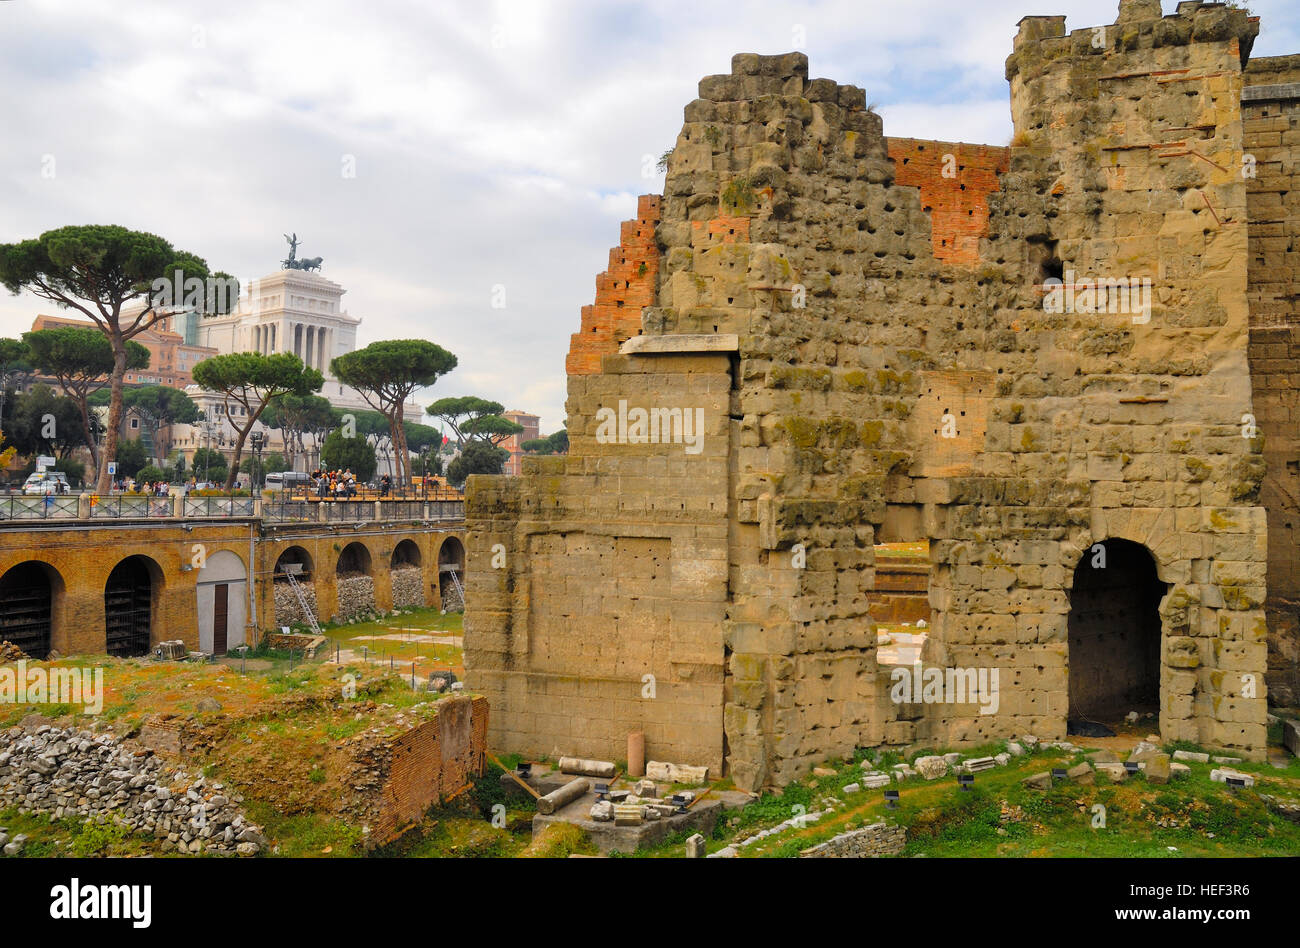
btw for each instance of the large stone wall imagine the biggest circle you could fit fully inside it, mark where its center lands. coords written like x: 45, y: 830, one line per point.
x: 860, y: 386
x: 1271, y: 137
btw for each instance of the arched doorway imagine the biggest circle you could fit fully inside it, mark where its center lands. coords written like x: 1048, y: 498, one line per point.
x: 128, y: 607
x: 1114, y: 634
x: 451, y: 573
x: 222, y: 591
x: 27, y: 607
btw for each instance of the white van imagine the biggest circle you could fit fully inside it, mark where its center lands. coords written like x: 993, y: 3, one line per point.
x: 287, y: 480
x: 47, y: 482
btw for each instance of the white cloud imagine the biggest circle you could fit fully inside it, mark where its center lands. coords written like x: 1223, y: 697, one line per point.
x: 495, y: 143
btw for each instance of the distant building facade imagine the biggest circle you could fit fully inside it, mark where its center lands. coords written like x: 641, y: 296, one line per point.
x: 514, y: 444
x: 171, y: 356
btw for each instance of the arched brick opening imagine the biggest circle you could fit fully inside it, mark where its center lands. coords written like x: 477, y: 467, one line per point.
x: 354, y: 582
x: 406, y: 553
x: 354, y: 558
x: 451, y: 573
x: 130, y: 598
x: 1114, y: 633
x: 292, y: 606
x: 28, y: 593
x: 407, y: 576
x: 294, y: 556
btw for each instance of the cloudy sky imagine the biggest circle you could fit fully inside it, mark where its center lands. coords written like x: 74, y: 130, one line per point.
x: 494, y: 143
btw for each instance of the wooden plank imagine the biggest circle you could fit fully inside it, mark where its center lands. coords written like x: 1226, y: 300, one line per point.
x: 513, y: 776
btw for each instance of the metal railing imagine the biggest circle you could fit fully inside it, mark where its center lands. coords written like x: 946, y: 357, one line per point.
x: 283, y: 507
x: 289, y: 511
x: 120, y: 506
x: 208, y: 506
x: 44, y: 507
x: 340, y: 510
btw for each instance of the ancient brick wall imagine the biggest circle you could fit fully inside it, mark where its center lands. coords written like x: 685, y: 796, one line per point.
x: 621, y: 292
x: 870, y: 390
x: 1271, y: 137
x: 429, y: 764
x: 955, y: 181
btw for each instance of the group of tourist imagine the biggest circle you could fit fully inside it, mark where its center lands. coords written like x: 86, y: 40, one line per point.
x: 130, y: 485
x: 337, y: 484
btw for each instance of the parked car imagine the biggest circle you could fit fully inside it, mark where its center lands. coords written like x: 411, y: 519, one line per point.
x: 47, y: 482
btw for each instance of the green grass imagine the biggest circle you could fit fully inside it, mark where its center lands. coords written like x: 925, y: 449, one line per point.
x: 1191, y: 816
x: 50, y: 838
x: 305, y: 835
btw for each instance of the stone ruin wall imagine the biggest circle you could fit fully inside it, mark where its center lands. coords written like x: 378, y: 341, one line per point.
x: 821, y: 419
x: 1271, y: 130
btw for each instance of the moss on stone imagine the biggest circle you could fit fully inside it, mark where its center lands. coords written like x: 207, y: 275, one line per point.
x: 1219, y: 522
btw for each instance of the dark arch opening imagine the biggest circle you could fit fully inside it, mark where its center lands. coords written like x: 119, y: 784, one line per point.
x: 406, y: 553
x: 294, y: 556
x: 451, y: 573
x: 355, y: 558
x: 27, y: 607
x: 1114, y: 633
x: 128, y: 607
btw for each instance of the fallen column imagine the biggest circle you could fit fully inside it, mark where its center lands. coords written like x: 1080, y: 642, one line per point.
x: 566, y: 794
x: 587, y: 768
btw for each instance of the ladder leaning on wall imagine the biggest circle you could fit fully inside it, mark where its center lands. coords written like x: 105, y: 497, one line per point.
x: 455, y: 584
x: 302, y: 601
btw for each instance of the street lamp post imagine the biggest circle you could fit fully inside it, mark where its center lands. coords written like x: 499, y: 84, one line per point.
x: 207, y: 444
x: 258, y: 439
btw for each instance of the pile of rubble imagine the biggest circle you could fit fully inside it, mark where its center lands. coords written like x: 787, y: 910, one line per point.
x: 74, y: 774
x: 287, y: 609
x: 639, y: 805
x: 356, y: 595
x: 10, y: 653
x: 1146, y: 758
x: 408, y: 587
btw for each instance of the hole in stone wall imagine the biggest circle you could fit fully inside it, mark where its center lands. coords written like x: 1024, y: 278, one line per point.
x: 26, y: 607
x: 1114, y: 634
x: 900, y: 601
x: 128, y: 608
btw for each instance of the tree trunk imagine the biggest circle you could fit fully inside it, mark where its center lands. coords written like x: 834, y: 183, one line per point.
x: 105, y: 482
x: 90, y: 437
x: 234, y: 462
x: 406, y: 453
x: 395, y: 436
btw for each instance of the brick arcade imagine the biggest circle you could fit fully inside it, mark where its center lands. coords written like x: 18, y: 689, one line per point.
x: 95, y: 587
